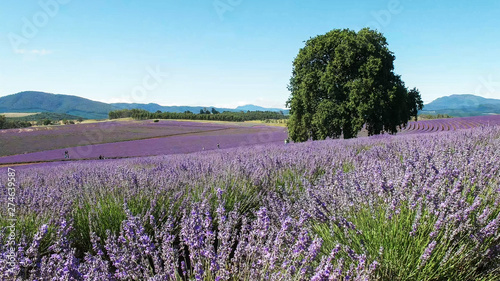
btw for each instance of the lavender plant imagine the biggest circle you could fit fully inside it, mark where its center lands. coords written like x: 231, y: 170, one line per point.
x: 409, y: 207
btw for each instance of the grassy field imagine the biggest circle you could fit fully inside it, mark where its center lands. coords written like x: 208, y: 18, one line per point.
x: 277, y: 123
x: 18, y: 114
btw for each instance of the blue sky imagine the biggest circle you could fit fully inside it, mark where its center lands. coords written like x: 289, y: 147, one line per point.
x: 233, y: 52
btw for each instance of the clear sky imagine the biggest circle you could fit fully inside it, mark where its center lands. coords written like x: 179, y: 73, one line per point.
x: 233, y: 52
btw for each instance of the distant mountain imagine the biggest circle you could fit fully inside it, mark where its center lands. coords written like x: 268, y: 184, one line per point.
x: 153, y: 107
x: 252, y: 107
x: 459, y: 102
x: 45, y: 102
x: 73, y: 105
x: 462, y: 105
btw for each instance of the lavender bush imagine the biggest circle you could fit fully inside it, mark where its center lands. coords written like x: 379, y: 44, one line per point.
x: 410, y: 207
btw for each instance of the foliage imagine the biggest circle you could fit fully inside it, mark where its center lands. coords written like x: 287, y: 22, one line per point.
x: 203, y: 111
x: 342, y: 81
x: 5, y: 123
x: 434, y: 116
x: 205, y: 114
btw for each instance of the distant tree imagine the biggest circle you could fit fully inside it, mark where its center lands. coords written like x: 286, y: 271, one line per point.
x: 414, y: 103
x: 214, y: 111
x: 80, y: 119
x: 141, y: 114
x: 47, y: 122
x: 342, y: 81
x: 188, y: 112
x: 158, y: 112
x: 3, y: 120
x: 204, y: 111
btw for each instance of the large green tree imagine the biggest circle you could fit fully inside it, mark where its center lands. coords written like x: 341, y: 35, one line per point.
x: 345, y: 80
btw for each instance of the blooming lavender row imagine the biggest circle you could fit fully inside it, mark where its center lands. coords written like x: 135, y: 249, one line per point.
x: 228, y: 137
x: 451, y: 124
x: 381, y: 208
x: 33, y: 139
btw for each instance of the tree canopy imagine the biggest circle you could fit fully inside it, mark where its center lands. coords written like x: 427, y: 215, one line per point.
x: 10, y: 124
x: 141, y: 114
x: 344, y: 80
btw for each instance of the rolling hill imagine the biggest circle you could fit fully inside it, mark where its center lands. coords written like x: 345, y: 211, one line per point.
x: 252, y: 107
x: 462, y: 106
x: 44, y: 102
x: 32, y: 101
x: 153, y: 107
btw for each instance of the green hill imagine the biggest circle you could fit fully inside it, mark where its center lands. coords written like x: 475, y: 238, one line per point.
x: 462, y: 105
x: 45, y: 102
x: 33, y: 101
x: 46, y: 115
x: 153, y: 107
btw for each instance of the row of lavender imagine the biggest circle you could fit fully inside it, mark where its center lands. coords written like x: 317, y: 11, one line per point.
x: 35, y: 139
x: 211, y: 138
x: 451, y: 124
x: 383, y: 208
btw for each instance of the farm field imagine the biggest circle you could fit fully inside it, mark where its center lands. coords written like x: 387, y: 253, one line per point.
x: 35, y: 139
x: 122, y: 139
x: 337, y: 209
x: 18, y: 114
x: 226, y: 137
x: 450, y: 124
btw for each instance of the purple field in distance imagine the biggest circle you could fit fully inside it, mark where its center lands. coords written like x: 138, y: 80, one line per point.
x: 450, y: 124
x: 173, y: 137
x: 35, y: 139
x: 228, y: 137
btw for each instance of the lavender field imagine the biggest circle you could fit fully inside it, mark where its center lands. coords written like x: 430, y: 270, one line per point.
x: 146, y: 138
x: 185, y: 137
x: 35, y: 139
x: 405, y: 207
x: 450, y: 124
